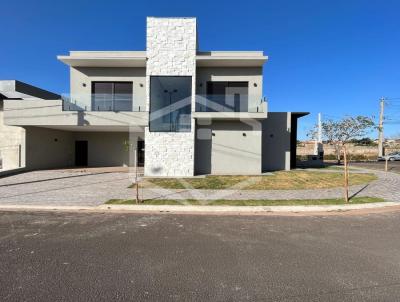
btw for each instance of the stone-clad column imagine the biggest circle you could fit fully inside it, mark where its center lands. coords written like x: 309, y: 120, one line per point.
x: 171, y: 51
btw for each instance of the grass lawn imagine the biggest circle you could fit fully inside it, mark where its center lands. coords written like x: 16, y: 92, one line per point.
x: 282, y: 180
x: 225, y: 202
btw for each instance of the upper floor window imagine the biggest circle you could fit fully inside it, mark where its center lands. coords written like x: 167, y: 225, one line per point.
x: 170, y: 103
x: 228, y: 96
x: 112, y: 96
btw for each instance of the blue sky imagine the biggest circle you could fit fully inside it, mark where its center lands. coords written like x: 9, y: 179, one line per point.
x: 335, y: 57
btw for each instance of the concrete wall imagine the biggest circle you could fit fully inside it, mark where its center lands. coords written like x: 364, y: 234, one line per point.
x: 253, y: 75
x: 171, y: 51
x: 108, y: 148
x: 82, y: 77
x: 276, y: 131
x: 50, y: 113
x: 10, y: 139
x: 358, y: 152
x: 228, y: 147
x: 48, y: 148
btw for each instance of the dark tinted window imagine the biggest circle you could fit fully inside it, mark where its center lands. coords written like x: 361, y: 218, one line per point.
x: 112, y: 96
x: 170, y: 103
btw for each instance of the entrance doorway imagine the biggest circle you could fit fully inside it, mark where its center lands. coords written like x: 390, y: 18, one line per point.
x: 140, y: 153
x: 81, y: 153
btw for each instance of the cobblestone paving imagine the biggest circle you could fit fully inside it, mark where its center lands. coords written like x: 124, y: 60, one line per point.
x: 64, y: 187
x: 91, y: 188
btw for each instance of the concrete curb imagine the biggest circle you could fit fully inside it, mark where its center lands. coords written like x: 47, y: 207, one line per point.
x: 244, y: 209
x: 200, y: 209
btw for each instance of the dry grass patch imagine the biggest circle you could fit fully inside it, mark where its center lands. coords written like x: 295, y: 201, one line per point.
x: 283, y: 180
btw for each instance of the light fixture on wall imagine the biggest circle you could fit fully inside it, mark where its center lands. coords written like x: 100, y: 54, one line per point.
x: 84, y: 84
x: 141, y: 85
x: 255, y: 84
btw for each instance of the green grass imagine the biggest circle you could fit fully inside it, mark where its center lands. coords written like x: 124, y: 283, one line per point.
x: 250, y: 202
x: 282, y: 180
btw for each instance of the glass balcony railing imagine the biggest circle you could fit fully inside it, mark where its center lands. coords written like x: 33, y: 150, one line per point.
x: 102, y: 102
x: 229, y: 103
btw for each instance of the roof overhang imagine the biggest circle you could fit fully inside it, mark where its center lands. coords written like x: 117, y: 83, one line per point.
x: 138, y: 59
x: 105, y: 59
x: 231, y: 59
x: 299, y: 114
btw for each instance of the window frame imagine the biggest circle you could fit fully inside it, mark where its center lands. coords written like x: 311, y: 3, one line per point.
x: 93, y: 83
x: 152, y: 77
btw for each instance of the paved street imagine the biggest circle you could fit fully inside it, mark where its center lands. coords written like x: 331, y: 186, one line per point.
x: 115, y: 257
x: 379, y: 165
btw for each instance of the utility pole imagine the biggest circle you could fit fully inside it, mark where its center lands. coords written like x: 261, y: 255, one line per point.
x: 380, y: 127
x: 318, y: 148
x: 319, y: 128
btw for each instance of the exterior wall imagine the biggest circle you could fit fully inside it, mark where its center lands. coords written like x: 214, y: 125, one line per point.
x: 50, y: 113
x: 358, y: 152
x: 171, y: 51
x: 235, y: 147
x: 276, y: 134
x: 48, y: 148
x: 10, y: 140
x: 108, y: 148
x: 87, y: 75
x: 253, y: 75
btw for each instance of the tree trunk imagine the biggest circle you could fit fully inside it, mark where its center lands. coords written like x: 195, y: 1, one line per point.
x: 346, y: 175
x: 338, y: 154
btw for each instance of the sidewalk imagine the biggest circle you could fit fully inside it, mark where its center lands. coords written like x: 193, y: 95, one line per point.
x: 387, y: 186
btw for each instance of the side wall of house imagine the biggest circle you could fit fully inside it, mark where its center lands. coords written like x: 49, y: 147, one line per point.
x: 276, y: 136
x: 228, y: 147
x: 171, y: 51
x: 11, y: 138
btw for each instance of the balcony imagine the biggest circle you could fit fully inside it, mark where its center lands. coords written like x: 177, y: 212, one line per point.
x: 102, y: 102
x: 230, y: 106
x: 68, y: 112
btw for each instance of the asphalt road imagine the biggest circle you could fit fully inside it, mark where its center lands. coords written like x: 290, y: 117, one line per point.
x: 393, y: 166
x: 132, y: 257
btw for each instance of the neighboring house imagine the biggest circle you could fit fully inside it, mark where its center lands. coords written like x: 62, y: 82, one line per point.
x: 12, y: 139
x: 185, y: 111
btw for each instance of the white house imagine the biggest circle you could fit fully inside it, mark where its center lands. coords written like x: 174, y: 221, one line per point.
x: 175, y: 109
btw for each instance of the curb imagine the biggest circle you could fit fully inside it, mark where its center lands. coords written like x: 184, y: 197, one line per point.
x: 244, y: 209
x: 200, y: 209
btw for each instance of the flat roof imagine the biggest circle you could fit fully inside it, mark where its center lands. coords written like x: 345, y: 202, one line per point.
x: 231, y: 58
x: 104, y: 59
x: 138, y: 59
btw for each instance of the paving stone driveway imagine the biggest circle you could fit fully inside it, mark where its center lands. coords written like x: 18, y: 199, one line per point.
x: 64, y: 187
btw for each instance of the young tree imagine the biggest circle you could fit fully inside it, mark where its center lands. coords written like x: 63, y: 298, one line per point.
x: 341, y: 132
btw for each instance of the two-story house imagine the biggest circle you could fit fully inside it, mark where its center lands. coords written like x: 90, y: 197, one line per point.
x: 172, y: 108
